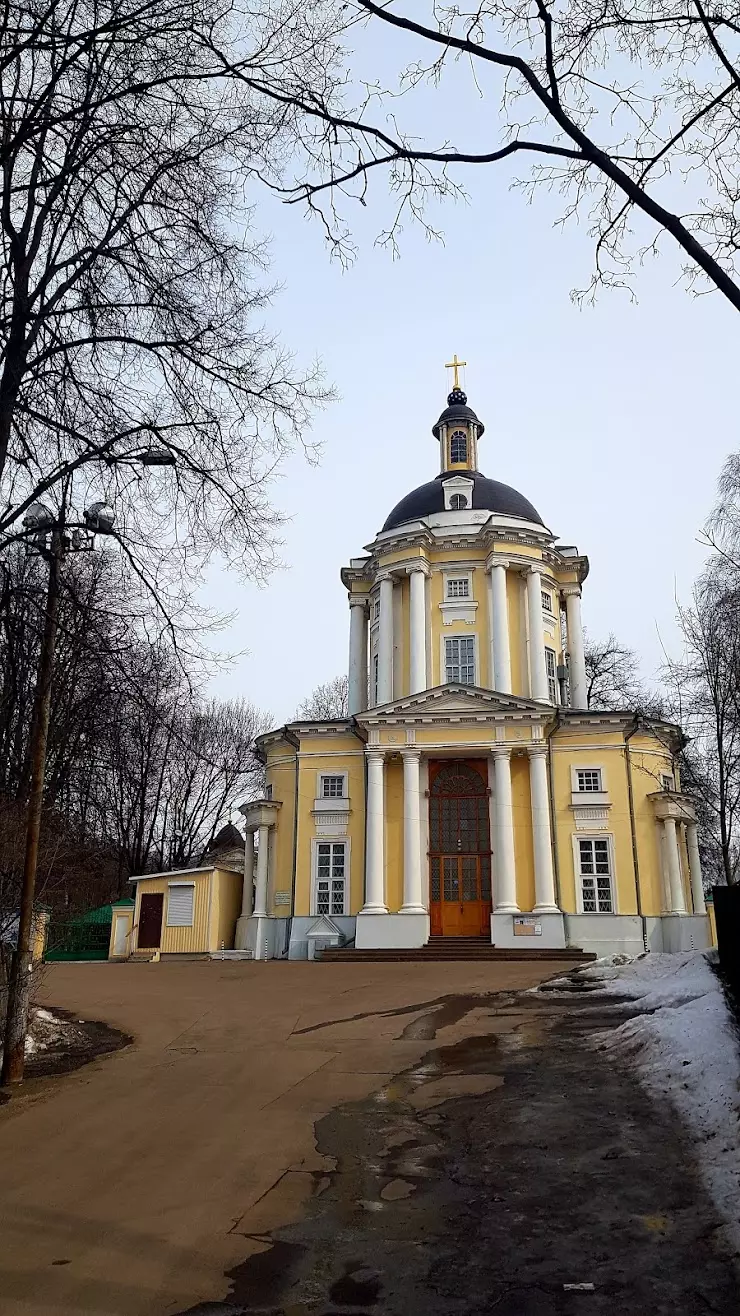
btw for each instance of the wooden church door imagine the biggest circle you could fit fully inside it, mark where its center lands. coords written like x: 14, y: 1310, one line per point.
x: 459, y: 848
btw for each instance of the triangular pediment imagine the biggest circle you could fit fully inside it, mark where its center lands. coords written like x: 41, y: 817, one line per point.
x: 324, y: 927
x: 446, y: 700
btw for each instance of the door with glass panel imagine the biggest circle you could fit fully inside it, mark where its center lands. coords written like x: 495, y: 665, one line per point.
x: 459, y: 848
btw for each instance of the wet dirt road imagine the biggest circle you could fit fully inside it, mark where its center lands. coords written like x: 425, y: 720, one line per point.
x: 488, y: 1177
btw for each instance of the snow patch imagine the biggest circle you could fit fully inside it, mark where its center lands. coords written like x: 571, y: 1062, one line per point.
x: 684, y: 1044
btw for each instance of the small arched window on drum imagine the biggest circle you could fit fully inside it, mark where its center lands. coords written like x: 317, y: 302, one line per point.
x: 459, y: 446
x: 458, y: 502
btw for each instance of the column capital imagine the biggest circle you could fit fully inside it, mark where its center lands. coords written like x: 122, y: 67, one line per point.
x: 535, y: 569
x: 357, y: 600
x: 570, y: 591
x: 410, y: 753
x: 501, y: 751
x: 384, y: 575
x: 537, y: 748
x: 375, y: 755
x: 493, y: 560
x: 423, y: 567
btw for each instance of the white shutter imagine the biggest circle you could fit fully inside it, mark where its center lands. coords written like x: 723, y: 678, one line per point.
x: 180, y: 900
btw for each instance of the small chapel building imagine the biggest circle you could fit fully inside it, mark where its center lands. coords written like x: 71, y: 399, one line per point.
x: 470, y: 791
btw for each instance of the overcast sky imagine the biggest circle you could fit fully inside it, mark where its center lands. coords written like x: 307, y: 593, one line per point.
x: 612, y: 420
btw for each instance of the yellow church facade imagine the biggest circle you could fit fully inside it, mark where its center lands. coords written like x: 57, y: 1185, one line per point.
x: 470, y: 792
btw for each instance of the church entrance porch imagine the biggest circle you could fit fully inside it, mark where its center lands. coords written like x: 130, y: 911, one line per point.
x: 459, y: 848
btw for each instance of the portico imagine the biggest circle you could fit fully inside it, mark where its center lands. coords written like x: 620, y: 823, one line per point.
x: 457, y: 856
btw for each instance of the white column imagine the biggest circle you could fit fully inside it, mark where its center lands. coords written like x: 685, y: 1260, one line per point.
x: 577, y: 667
x: 417, y: 630
x: 678, y: 904
x: 697, y: 888
x: 263, y: 852
x: 544, y: 878
x: 357, y: 656
x: 501, y: 654
x: 375, y: 830
x: 505, y: 875
x: 537, y: 669
x: 385, y: 641
x: 412, y: 901
x: 248, y: 887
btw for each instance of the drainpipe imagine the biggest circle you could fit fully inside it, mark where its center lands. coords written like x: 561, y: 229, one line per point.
x: 630, y: 795
x: 553, y: 820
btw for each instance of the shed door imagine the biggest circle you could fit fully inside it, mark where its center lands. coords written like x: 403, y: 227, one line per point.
x: 150, y: 922
x: 119, y: 934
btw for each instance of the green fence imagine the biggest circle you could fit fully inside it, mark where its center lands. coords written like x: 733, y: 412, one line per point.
x: 83, y: 937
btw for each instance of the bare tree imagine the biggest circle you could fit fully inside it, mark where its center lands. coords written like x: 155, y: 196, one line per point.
x: 130, y: 300
x: 327, y: 701
x: 706, y: 685
x: 613, y: 680
x: 631, y: 113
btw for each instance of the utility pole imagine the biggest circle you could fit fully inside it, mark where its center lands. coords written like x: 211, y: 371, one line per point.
x: 19, y: 986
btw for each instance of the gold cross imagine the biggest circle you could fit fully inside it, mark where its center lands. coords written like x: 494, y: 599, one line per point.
x: 455, y: 365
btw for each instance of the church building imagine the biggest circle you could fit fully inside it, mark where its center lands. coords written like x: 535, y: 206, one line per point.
x: 471, y: 792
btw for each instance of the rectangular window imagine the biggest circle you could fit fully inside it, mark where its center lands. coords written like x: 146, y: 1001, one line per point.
x: 180, y: 904
x: 666, y: 781
x: 268, y: 792
x: 552, y: 676
x: 589, y: 779
x: 375, y: 680
x: 458, y: 588
x: 546, y: 601
x: 460, y: 659
x: 376, y: 609
x: 331, y: 872
x: 596, y: 876
x: 332, y: 788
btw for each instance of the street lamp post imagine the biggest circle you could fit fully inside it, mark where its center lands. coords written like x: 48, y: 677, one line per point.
x: 43, y: 526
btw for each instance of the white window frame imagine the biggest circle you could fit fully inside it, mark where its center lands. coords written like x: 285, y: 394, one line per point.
x: 547, y: 602
x: 375, y: 679
x: 594, y: 836
x: 552, y: 679
x: 330, y: 772
x: 179, y: 923
x: 667, y: 781
x: 345, y: 842
x: 587, y: 767
x: 458, y: 484
x: 448, y: 577
x: 459, y: 635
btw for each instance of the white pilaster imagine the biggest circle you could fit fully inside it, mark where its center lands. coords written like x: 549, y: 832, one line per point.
x: 417, y: 629
x: 697, y: 888
x: 577, y: 670
x: 505, y: 875
x: 385, y: 641
x: 412, y: 893
x: 544, y: 878
x: 357, y: 655
x: 678, y: 904
x: 375, y: 834
x: 501, y: 653
x: 260, y: 895
x: 538, y: 671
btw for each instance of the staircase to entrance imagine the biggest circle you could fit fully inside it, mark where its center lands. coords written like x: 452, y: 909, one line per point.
x: 442, y: 948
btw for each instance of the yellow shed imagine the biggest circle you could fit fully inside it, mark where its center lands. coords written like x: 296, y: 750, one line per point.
x: 191, y: 911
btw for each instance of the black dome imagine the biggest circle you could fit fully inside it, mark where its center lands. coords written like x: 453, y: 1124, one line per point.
x: 457, y: 409
x: 488, y: 496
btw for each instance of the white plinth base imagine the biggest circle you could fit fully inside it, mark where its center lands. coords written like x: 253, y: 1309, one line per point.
x: 260, y: 936
x: 391, y: 931
x: 241, y: 933
x: 686, y: 932
x: 540, y: 930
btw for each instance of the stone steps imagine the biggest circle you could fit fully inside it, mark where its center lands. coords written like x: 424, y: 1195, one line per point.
x: 465, y: 949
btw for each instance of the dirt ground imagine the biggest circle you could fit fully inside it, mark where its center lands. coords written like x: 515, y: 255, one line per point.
x: 136, y: 1184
